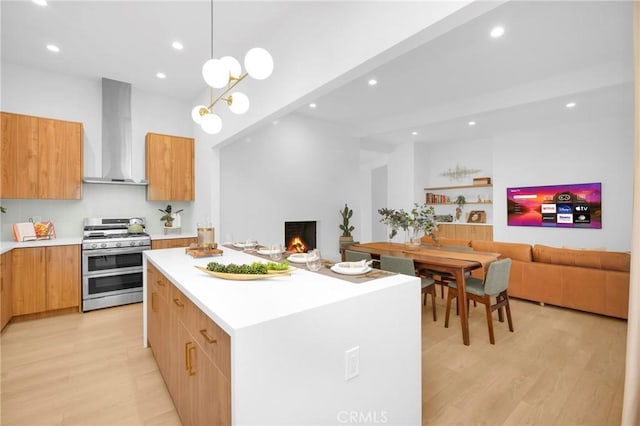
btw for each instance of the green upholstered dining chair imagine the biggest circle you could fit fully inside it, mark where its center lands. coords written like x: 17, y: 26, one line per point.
x: 494, y: 285
x: 355, y: 256
x: 406, y: 266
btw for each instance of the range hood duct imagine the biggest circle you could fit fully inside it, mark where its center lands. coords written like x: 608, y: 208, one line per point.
x: 116, y: 135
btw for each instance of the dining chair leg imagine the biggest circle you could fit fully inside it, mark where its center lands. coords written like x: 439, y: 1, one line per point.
x: 507, y: 307
x: 487, y: 302
x: 433, y: 302
x: 448, y: 310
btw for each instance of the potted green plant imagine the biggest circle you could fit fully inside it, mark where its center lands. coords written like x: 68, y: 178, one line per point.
x: 460, y: 202
x: 169, y: 216
x: 418, y: 222
x: 346, y: 227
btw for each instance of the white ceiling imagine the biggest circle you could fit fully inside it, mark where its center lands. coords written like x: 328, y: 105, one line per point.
x: 552, y: 52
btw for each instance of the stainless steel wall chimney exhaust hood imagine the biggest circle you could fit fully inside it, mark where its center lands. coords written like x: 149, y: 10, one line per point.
x: 116, y: 135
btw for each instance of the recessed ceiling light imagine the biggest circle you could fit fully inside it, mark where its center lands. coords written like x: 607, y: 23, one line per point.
x: 373, y: 82
x: 40, y: 2
x: 312, y: 105
x: 53, y: 48
x: 497, y: 32
x: 414, y: 133
x: 161, y: 75
x: 570, y: 105
x: 177, y: 45
x: 472, y: 123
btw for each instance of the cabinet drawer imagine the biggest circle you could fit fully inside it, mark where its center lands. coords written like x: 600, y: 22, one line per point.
x: 214, y: 341
x: 183, y: 308
x: 157, y: 281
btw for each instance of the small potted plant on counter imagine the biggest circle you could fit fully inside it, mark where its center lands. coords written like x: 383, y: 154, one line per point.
x: 345, y: 227
x: 169, y: 216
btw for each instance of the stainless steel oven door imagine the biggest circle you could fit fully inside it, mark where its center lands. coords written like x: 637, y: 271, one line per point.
x: 122, y: 260
x: 111, y: 283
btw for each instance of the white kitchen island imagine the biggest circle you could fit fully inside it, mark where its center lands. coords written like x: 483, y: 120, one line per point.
x: 290, y: 336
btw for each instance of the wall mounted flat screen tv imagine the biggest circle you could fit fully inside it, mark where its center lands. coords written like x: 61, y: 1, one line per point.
x: 556, y: 206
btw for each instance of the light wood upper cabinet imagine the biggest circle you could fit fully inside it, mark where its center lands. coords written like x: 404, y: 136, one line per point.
x: 41, y: 158
x: 169, y: 167
x: 60, y: 159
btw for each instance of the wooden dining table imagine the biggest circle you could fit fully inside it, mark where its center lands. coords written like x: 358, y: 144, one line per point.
x: 454, y: 262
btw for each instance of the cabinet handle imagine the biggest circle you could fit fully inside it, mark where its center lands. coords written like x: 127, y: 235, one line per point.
x: 206, y: 336
x: 178, y: 302
x: 188, y: 347
x: 153, y: 302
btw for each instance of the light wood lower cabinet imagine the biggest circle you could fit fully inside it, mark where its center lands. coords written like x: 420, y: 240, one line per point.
x: 192, y: 352
x: 5, y: 288
x: 173, y: 243
x: 45, y: 279
x: 465, y: 232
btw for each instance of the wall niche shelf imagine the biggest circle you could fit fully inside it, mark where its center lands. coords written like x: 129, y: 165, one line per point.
x: 443, y: 188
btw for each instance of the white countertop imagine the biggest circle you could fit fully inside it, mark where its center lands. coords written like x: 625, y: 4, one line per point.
x: 6, y: 246
x: 237, y: 304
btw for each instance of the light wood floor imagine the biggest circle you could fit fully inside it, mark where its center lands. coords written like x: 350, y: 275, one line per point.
x: 560, y: 367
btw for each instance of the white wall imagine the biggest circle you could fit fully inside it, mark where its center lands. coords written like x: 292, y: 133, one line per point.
x: 597, y: 151
x: 34, y: 92
x: 297, y: 169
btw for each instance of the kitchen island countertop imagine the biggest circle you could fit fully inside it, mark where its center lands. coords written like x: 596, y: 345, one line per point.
x: 293, y: 338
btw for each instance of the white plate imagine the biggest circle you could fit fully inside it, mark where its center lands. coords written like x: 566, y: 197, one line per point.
x: 350, y: 271
x: 269, y: 251
x: 298, y: 258
x: 242, y: 244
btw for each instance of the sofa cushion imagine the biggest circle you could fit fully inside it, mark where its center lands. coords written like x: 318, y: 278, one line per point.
x: 516, y: 251
x: 606, y: 260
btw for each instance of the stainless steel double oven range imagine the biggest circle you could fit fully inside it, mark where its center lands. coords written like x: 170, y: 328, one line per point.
x: 112, y: 261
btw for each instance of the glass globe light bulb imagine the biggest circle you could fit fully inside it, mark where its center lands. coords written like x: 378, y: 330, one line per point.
x: 239, y: 103
x: 211, y: 124
x: 215, y: 73
x: 258, y: 63
x: 195, y: 113
x: 232, y: 65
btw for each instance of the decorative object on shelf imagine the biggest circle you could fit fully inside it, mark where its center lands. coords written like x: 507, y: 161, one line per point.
x: 346, y: 228
x: 169, y: 216
x: 2, y: 210
x: 418, y: 222
x: 226, y: 71
x: 482, y: 181
x: 460, y: 201
x: 444, y: 218
x: 459, y: 173
x: 477, y: 216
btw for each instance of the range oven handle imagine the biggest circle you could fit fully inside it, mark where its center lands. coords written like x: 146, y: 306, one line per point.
x: 117, y: 250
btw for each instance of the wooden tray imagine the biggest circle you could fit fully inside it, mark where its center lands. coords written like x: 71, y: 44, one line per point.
x: 244, y: 277
x: 203, y: 253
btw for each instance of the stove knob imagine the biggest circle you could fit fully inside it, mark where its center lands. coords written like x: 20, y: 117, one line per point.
x: 103, y: 245
x: 93, y: 245
x: 118, y: 244
x: 132, y: 243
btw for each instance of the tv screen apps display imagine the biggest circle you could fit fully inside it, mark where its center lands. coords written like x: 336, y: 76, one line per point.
x: 559, y: 206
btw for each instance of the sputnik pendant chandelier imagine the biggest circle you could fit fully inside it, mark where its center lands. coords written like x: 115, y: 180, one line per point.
x: 226, y: 73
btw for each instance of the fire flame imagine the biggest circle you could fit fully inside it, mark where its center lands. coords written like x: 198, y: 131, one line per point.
x: 296, y: 245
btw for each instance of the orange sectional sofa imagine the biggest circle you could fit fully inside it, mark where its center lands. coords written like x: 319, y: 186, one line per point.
x: 588, y: 280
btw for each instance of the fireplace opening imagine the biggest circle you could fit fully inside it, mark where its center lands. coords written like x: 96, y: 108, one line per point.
x: 300, y: 237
